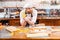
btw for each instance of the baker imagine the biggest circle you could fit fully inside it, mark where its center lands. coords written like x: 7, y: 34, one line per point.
x: 28, y: 15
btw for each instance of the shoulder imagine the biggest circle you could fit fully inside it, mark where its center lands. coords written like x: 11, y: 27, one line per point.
x: 34, y: 10
x: 22, y: 11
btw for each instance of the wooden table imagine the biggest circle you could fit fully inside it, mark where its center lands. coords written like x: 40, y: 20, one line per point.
x: 53, y: 35
x: 23, y: 36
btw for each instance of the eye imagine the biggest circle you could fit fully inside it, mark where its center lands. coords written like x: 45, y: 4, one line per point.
x: 28, y: 8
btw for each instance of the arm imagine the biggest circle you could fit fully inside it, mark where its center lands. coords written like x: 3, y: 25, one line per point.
x: 22, y: 14
x: 34, y: 18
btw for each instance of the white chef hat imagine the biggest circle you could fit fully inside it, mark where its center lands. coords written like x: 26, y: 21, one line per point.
x: 28, y: 5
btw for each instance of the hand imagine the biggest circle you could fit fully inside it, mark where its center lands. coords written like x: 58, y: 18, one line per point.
x: 27, y: 18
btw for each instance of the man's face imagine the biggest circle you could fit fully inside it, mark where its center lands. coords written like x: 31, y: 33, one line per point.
x: 29, y: 10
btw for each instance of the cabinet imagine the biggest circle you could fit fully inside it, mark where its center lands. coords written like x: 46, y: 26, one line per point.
x: 50, y: 22
x: 47, y: 22
x: 14, y: 22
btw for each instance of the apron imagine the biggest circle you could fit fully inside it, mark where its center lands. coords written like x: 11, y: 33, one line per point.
x: 24, y: 14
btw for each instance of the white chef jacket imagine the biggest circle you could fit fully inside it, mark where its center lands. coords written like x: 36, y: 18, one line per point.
x: 34, y: 14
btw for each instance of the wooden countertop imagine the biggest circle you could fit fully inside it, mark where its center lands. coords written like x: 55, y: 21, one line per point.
x: 23, y: 36
x: 54, y: 34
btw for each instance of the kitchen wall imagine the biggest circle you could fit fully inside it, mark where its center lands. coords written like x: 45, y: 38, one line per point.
x: 18, y: 3
x: 22, y: 3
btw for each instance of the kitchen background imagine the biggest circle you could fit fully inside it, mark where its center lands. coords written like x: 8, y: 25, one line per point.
x: 47, y: 9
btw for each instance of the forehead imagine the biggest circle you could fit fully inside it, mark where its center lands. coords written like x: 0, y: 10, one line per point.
x: 28, y: 8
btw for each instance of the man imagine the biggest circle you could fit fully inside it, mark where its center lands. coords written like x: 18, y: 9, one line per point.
x: 28, y: 15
